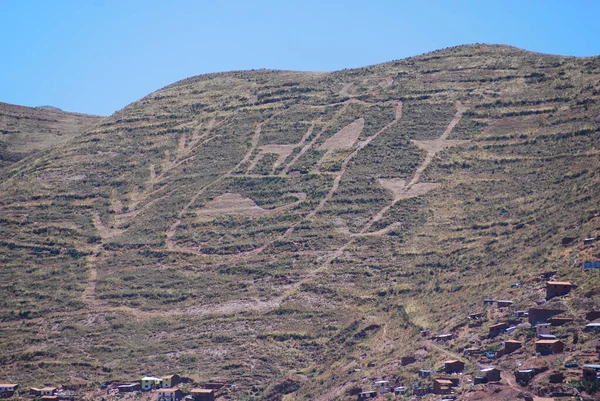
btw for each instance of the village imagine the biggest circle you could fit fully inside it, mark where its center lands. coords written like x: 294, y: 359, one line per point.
x: 549, y: 331
x: 164, y: 388
x: 551, y: 347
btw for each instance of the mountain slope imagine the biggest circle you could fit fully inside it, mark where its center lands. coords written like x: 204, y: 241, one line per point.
x: 25, y: 130
x: 278, y: 229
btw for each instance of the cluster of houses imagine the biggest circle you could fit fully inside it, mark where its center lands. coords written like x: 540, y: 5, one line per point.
x: 7, y: 390
x: 165, y: 388
x: 542, y: 318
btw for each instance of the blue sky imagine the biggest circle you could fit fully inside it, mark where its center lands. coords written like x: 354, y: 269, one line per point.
x: 97, y: 56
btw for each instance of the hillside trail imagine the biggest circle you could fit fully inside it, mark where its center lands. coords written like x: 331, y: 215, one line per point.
x: 512, y: 383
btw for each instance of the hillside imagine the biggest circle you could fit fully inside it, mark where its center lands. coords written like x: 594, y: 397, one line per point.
x: 26, y: 130
x: 293, y: 233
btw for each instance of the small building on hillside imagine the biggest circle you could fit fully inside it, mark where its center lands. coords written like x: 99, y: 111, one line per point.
x: 38, y: 392
x: 8, y: 389
x: 497, y: 329
x: 399, y: 390
x: 509, y: 346
x: 590, y: 372
x: 556, y: 377
x: 557, y: 288
x: 475, y: 316
x: 454, y: 366
x: 594, y: 326
x: 170, y: 380
x: 424, y: 373
x: 504, y: 303
x: 491, y: 374
x: 407, y: 360
x: 542, y: 328
x: 170, y: 394
x: 151, y: 382
x: 549, y: 347
x: 524, y: 376
x: 367, y: 394
x: 444, y: 337
x: 203, y: 394
x: 472, y: 351
x: 559, y: 321
x: 442, y: 386
x: 129, y: 387
x: 488, y: 301
x: 592, y: 315
x: 541, y: 315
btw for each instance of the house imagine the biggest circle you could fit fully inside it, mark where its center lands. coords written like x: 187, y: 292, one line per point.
x: 421, y: 391
x: 521, y: 313
x: 129, y: 388
x: 497, y: 329
x: 170, y: 381
x: 170, y: 394
x: 42, y: 391
x: 504, y: 303
x: 542, y: 328
x: 541, y: 315
x: 442, y: 386
x: 8, y: 389
x: 203, y: 394
x: 556, y: 377
x: 444, y: 337
x: 472, y: 351
x: 381, y: 384
x: 475, y: 316
x: 547, y: 337
x: 557, y: 288
x: 453, y: 366
x: 491, y: 374
x: 549, y: 347
x: 524, y: 376
x: 150, y: 382
x: 424, y: 373
x: 488, y: 301
x: 407, y: 360
x: 588, y: 241
x: 367, y: 394
x: 590, y: 372
x: 594, y: 326
x: 509, y: 346
x: 400, y: 390
x: 559, y: 321
x: 592, y: 315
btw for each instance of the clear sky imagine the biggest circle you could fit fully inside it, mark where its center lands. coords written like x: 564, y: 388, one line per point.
x: 97, y: 56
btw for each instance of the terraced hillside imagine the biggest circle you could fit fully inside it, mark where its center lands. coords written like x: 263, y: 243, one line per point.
x: 279, y: 230
x: 27, y: 130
